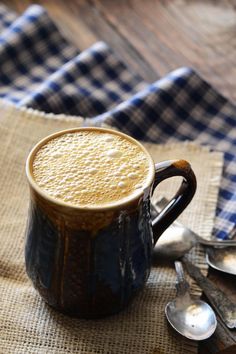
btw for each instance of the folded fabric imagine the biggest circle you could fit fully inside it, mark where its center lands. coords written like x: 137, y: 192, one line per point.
x: 40, y: 69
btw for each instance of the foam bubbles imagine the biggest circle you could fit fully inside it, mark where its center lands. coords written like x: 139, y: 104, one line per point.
x: 90, y: 168
x: 132, y: 175
x: 92, y: 171
x: 108, y: 138
x: 122, y: 184
x: 57, y: 154
x: 114, y: 153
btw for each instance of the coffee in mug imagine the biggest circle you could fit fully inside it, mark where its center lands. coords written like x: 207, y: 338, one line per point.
x: 89, y: 234
x: 92, y: 168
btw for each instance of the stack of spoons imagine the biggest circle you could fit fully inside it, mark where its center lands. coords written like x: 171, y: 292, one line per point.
x: 175, y: 243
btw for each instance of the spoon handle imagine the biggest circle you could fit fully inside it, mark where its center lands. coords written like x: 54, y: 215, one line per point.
x: 219, y: 300
x: 160, y: 204
x: 182, y: 285
x: 215, y: 243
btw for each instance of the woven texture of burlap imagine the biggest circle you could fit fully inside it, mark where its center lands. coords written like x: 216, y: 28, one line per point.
x: 27, y: 324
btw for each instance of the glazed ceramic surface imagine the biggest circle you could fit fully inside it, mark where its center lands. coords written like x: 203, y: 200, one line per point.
x: 92, y: 262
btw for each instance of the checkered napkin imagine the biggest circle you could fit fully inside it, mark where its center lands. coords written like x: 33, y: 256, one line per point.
x: 40, y: 69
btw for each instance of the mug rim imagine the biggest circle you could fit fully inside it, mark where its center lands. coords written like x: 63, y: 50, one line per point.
x: 111, y: 205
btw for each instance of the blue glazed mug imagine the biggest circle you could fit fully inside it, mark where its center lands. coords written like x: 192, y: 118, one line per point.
x: 91, y: 262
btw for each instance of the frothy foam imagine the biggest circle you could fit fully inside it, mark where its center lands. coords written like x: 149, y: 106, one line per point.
x: 90, y: 168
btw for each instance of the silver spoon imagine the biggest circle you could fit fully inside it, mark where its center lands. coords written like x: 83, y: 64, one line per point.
x: 177, y: 240
x: 194, y: 319
x: 222, y: 259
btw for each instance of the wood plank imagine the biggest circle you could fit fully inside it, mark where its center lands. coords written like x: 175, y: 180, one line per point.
x: 97, y: 23
x: 178, y: 33
x: 155, y: 37
x: 131, y: 25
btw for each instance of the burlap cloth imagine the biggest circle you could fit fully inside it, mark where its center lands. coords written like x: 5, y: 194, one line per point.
x: 27, y: 324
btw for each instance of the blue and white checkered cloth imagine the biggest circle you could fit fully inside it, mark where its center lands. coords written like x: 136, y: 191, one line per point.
x: 40, y: 69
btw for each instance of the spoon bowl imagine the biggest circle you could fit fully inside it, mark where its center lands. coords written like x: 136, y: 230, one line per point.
x: 223, y: 259
x: 194, y: 319
x: 177, y: 240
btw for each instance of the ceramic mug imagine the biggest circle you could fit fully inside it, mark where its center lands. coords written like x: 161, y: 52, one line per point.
x: 91, y: 262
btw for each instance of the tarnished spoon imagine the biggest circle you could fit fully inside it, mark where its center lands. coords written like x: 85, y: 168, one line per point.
x: 177, y: 240
x: 222, y: 259
x: 194, y: 319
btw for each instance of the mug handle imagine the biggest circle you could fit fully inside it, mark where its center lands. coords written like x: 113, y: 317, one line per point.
x: 182, y: 198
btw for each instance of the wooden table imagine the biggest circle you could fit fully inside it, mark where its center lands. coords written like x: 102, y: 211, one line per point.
x: 154, y: 37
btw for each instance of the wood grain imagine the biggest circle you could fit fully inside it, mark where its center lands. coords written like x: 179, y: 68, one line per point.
x: 154, y: 37
x: 170, y: 34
